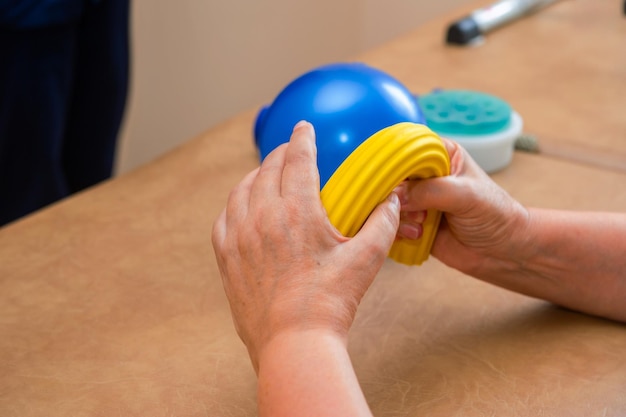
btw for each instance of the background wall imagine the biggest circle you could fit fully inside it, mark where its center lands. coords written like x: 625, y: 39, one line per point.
x: 198, y: 62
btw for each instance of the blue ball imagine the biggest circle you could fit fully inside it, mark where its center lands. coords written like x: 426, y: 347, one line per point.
x: 345, y: 102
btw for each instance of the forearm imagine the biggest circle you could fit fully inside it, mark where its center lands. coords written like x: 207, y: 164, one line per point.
x: 573, y: 259
x: 308, y: 373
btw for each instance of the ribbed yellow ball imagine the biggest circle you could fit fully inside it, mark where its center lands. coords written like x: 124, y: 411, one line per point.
x: 369, y: 174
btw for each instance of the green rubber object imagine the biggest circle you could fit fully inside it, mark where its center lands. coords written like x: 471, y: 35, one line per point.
x: 464, y: 112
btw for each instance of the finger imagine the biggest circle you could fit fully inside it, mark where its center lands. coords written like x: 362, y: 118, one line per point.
x: 379, y: 231
x: 238, y: 202
x: 218, y: 233
x: 461, y: 162
x: 411, y: 224
x: 415, y: 217
x: 218, y: 238
x: 450, y: 145
x: 410, y: 231
x: 442, y: 193
x: 448, y: 193
x: 300, y: 176
x: 267, y: 183
x: 436, y: 192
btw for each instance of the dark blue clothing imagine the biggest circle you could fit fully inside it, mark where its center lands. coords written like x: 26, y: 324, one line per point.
x: 39, y: 13
x: 64, y: 68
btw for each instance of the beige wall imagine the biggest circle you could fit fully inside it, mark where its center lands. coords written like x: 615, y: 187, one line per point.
x: 198, y: 62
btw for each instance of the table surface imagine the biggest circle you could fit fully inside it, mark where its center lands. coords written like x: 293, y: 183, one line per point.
x: 111, y: 301
x: 563, y: 69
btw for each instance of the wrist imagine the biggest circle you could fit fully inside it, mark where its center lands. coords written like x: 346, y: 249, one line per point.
x: 295, y: 318
x: 527, y: 262
x: 297, y: 343
x: 308, y: 372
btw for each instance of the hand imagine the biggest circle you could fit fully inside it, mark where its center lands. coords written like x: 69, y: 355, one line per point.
x: 284, y: 266
x: 479, y: 217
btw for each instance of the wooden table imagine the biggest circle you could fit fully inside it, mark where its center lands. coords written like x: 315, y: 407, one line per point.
x: 563, y: 69
x: 111, y: 301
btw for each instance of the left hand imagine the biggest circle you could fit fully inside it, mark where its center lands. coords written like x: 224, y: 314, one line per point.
x: 284, y: 266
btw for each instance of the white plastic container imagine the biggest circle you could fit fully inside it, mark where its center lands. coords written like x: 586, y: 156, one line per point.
x: 492, y: 152
x: 485, y: 125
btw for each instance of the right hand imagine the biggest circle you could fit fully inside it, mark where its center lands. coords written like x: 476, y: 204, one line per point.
x: 481, y: 222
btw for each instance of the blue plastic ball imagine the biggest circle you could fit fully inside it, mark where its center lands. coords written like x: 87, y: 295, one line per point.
x: 346, y: 103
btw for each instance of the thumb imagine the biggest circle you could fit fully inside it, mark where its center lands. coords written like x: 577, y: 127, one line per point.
x: 441, y: 193
x: 379, y: 231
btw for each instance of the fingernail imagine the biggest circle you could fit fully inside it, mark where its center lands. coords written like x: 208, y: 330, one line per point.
x: 394, y: 199
x: 401, y: 190
x: 300, y: 124
x: 410, y: 231
x: 417, y: 216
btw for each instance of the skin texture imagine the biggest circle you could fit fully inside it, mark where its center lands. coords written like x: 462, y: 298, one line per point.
x: 573, y: 259
x: 284, y: 269
x: 294, y: 282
